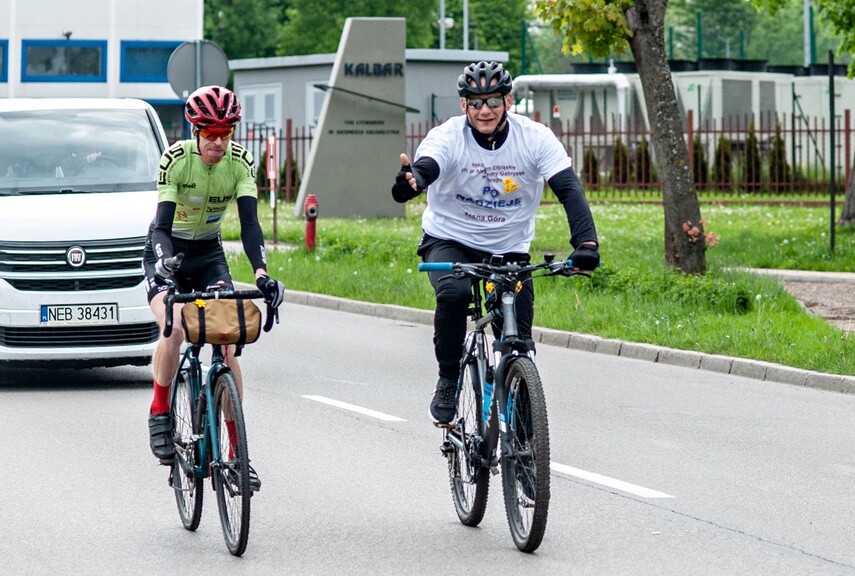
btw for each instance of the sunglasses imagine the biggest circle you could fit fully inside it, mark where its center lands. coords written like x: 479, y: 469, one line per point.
x: 214, y: 133
x: 492, y: 102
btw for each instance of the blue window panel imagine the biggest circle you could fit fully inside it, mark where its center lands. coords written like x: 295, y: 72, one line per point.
x: 4, y: 60
x: 64, y: 61
x: 145, y: 61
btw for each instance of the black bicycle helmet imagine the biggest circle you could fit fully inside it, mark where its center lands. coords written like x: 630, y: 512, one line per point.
x: 497, y: 79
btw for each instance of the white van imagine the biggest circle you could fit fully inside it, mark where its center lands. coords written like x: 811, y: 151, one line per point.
x: 77, y: 193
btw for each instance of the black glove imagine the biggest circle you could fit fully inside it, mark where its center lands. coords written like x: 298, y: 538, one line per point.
x: 401, y: 190
x: 165, y: 268
x: 585, y: 257
x: 273, y: 290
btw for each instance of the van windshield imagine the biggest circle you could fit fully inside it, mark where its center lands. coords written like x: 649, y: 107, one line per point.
x: 81, y: 151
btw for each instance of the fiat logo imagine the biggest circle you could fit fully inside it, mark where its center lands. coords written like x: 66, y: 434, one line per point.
x: 75, y: 256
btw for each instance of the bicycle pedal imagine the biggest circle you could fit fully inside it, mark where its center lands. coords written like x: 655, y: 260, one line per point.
x: 444, y: 425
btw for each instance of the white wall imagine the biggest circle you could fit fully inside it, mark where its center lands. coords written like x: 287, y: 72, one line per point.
x: 101, y: 20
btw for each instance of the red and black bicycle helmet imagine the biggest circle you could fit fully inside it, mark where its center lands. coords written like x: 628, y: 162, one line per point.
x: 212, y: 107
x: 496, y: 80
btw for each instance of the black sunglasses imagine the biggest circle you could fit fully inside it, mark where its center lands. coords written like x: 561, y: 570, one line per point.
x: 492, y: 102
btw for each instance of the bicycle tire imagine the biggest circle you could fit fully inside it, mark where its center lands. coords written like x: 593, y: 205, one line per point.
x: 525, y: 467
x: 187, y: 487
x: 230, y: 473
x: 470, y: 482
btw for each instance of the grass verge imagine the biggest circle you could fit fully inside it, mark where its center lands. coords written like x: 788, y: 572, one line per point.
x: 632, y: 297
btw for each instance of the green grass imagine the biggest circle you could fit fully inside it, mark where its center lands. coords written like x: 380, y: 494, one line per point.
x: 632, y: 297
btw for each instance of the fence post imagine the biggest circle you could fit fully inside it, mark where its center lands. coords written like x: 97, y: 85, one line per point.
x: 690, y: 123
x: 288, y: 161
x: 847, y: 147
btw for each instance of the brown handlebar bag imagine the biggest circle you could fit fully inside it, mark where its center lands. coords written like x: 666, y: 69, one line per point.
x: 225, y: 321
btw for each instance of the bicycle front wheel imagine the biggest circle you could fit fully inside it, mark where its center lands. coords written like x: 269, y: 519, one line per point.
x: 230, y: 473
x: 525, y: 456
x: 470, y: 482
x: 188, y: 488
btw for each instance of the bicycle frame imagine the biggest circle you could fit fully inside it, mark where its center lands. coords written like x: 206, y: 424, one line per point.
x: 193, y: 366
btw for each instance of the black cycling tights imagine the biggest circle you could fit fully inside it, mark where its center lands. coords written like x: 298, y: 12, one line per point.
x: 454, y: 296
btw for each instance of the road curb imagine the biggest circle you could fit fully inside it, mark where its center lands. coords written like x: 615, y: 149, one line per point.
x: 755, y: 369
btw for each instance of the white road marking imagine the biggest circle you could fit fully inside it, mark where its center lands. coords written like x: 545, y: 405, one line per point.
x: 606, y: 481
x: 354, y: 408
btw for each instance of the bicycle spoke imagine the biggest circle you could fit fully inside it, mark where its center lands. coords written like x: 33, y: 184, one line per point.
x: 182, y: 476
x: 469, y: 481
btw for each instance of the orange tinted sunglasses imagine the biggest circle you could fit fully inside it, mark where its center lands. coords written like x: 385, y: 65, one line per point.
x: 214, y: 133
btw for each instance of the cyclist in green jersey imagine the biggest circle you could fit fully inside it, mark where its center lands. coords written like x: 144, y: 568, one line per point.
x: 197, y: 180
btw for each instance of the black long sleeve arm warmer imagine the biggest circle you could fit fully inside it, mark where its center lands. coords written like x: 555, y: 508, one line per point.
x: 568, y: 190
x: 250, y: 232
x: 161, y: 233
x: 425, y: 170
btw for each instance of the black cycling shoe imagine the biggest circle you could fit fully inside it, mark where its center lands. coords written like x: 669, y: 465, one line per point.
x: 444, y: 404
x: 160, y: 438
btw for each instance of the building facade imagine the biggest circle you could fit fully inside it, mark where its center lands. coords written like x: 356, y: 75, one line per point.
x: 100, y: 48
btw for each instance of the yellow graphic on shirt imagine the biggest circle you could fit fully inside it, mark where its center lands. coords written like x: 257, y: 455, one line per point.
x: 510, y: 185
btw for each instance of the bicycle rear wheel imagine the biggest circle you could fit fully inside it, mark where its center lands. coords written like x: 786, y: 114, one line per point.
x: 230, y: 473
x: 188, y: 488
x: 470, y: 482
x: 525, y: 456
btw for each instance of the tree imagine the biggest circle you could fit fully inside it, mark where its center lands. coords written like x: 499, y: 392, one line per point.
x: 601, y: 28
x: 244, y: 28
x: 841, y: 16
x: 315, y: 26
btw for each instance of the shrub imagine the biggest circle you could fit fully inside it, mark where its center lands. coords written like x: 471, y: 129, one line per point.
x: 779, y: 169
x: 752, y: 164
x: 620, y: 163
x: 723, y: 164
x: 643, y: 165
x: 591, y: 168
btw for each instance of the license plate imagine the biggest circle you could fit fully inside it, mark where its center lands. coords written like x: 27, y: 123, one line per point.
x: 63, y: 314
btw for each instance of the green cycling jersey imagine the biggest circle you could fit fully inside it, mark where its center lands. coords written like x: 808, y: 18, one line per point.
x: 202, y: 193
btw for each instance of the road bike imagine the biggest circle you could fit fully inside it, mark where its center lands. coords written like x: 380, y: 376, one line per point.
x: 500, y: 402
x: 200, y: 405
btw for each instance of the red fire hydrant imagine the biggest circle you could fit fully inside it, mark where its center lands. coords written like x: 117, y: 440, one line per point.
x: 310, y: 210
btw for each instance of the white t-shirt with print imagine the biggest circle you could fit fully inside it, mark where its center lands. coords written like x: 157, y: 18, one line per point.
x: 486, y: 199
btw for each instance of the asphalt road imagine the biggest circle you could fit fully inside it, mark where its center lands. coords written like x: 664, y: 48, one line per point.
x: 658, y: 469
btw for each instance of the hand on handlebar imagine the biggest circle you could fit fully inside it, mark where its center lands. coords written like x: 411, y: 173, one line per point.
x: 165, y: 268
x: 273, y: 290
x: 585, y: 257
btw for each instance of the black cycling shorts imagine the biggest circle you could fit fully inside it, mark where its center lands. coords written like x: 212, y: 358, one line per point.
x: 204, y: 265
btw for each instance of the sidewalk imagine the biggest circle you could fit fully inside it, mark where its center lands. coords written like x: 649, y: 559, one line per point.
x: 806, y: 275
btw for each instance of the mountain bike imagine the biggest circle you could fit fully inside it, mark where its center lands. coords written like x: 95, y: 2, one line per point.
x: 500, y: 403
x: 200, y: 405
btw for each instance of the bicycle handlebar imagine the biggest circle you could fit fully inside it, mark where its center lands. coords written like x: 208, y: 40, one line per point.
x: 486, y: 270
x: 220, y: 294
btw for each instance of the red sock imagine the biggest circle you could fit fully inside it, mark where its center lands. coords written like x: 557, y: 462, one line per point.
x: 233, y: 439
x: 160, y: 404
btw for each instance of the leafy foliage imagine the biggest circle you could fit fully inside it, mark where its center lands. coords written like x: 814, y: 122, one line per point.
x: 597, y: 27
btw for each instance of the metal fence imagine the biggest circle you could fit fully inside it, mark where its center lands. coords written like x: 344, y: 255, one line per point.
x: 782, y: 155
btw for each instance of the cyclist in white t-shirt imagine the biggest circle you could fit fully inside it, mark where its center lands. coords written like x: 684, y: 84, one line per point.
x: 484, y: 173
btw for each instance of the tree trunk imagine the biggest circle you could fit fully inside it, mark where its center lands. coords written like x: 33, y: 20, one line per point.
x: 684, y: 249
x: 847, y: 217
